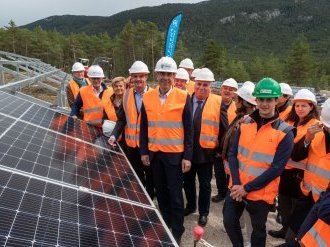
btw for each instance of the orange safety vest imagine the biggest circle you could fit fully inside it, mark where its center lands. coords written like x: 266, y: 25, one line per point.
x: 132, y: 128
x: 256, y: 150
x: 284, y: 114
x: 317, y: 175
x: 165, y: 126
x: 75, y: 87
x: 210, y: 122
x: 92, y: 105
x: 231, y: 112
x: 190, y: 86
x: 108, y: 106
x: 301, y: 132
x: 318, y: 235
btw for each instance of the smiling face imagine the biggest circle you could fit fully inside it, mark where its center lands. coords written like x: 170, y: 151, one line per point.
x: 180, y: 83
x: 227, y: 93
x: 165, y: 80
x: 202, y: 89
x: 119, y: 88
x: 140, y: 81
x: 78, y: 74
x: 303, y: 108
x: 266, y: 107
x: 96, y: 82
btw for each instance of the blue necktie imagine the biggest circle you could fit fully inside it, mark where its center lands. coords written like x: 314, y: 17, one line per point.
x: 198, y: 109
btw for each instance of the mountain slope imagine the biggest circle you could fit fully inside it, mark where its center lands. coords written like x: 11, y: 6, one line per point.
x: 244, y: 27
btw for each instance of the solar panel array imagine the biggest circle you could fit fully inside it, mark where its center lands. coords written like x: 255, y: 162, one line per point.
x: 60, y: 185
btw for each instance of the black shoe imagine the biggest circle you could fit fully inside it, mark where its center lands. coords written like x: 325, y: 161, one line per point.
x: 277, y: 234
x: 188, y: 211
x: 217, y: 198
x: 202, y: 221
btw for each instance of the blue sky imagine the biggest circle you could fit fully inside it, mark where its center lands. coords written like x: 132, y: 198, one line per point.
x: 27, y: 11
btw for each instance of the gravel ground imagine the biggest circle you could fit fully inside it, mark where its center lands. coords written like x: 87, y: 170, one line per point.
x: 214, y: 232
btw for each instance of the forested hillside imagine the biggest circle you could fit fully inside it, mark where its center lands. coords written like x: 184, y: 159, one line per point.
x: 245, y: 39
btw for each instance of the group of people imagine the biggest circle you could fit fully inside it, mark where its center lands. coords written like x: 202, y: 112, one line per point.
x: 262, y: 144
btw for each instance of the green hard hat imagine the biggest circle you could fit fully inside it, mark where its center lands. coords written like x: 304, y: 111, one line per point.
x: 267, y: 88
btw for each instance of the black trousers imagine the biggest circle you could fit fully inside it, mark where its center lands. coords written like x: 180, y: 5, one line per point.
x: 168, y: 178
x: 144, y: 172
x: 221, y: 177
x: 204, y: 173
x: 258, y: 211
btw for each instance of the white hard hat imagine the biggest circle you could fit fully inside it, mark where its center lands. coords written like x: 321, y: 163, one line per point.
x: 139, y: 67
x: 166, y: 64
x: 182, y: 74
x: 248, y: 83
x: 77, y: 67
x: 325, y: 113
x: 286, y: 89
x: 95, y: 71
x: 195, y: 72
x: 305, y: 94
x: 108, y: 127
x: 230, y: 83
x: 245, y: 92
x: 204, y: 75
x: 186, y: 63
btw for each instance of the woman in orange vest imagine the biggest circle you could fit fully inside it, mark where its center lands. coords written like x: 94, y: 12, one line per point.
x: 315, y: 230
x: 293, y: 205
x: 113, y: 106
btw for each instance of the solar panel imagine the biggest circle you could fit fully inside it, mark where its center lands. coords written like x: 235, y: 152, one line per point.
x: 37, y: 151
x: 60, y: 185
x: 40, y: 213
x: 12, y: 105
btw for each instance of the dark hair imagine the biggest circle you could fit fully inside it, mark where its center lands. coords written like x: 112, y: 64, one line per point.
x: 245, y: 107
x: 293, y: 117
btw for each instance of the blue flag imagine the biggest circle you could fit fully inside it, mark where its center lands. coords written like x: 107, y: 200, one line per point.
x: 172, y: 35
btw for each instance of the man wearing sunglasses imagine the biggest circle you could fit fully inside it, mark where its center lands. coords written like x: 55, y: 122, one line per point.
x: 261, y: 148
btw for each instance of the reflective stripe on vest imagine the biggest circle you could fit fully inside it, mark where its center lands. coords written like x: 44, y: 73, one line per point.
x: 318, y: 235
x: 132, y: 128
x: 92, y: 105
x: 255, y: 157
x: 165, y: 127
x: 210, y: 122
x: 317, y: 174
x: 301, y: 132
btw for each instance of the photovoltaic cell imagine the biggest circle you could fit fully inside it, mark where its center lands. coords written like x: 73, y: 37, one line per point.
x: 40, y: 213
x: 64, y: 124
x: 12, y: 105
x: 60, y: 185
x: 28, y: 148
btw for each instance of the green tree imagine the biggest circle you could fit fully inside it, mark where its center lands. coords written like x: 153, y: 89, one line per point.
x: 256, y: 69
x: 299, y: 62
x: 12, y: 34
x: 214, y: 58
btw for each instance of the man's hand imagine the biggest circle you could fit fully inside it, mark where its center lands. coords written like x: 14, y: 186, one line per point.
x: 186, y: 165
x: 237, y: 192
x: 74, y: 117
x: 112, y: 141
x: 312, y: 130
x: 145, y: 159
